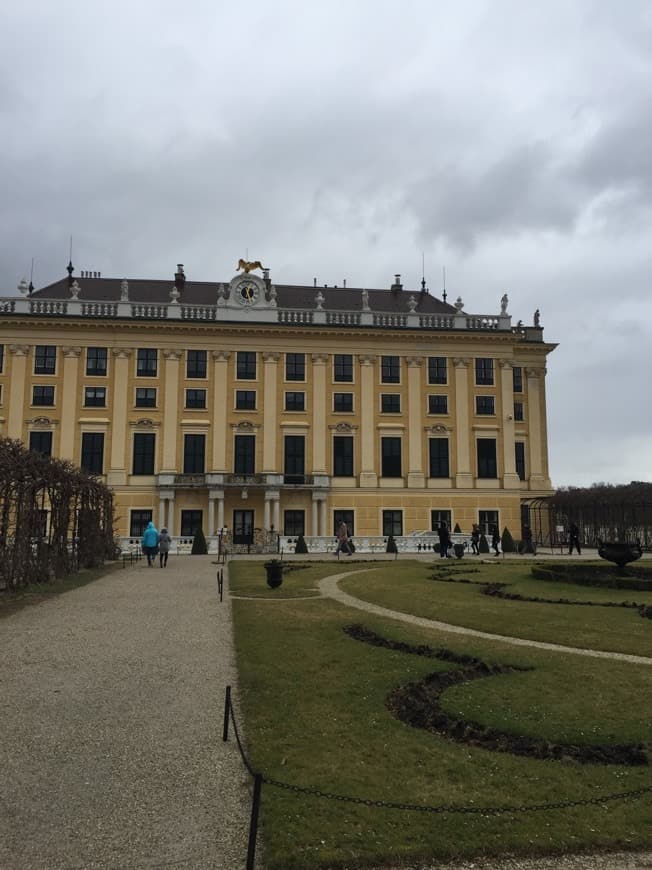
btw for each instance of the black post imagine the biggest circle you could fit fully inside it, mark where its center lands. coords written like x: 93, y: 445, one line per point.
x: 253, y: 824
x: 227, y: 712
x: 221, y: 583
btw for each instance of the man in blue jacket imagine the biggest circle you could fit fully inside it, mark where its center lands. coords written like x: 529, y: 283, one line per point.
x: 150, y: 543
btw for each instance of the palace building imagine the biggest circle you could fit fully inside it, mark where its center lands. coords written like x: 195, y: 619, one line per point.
x: 262, y: 408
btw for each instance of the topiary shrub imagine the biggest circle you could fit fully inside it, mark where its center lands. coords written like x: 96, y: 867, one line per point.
x: 199, y: 547
x: 457, y: 530
x: 483, y: 546
x: 508, y: 544
x: 301, y: 546
x: 391, y: 545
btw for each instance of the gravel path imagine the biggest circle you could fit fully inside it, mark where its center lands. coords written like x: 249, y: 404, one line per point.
x: 111, y: 749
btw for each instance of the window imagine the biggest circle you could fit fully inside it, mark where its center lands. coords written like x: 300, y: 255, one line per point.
x: 194, y: 451
x: 295, y: 401
x: 518, y: 379
x: 485, y: 405
x: 519, y: 447
x: 486, y: 448
x: 2, y: 357
x: 191, y: 522
x: 43, y: 396
x: 293, y: 522
x: 390, y: 370
x: 342, y: 402
x: 484, y: 372
x: 246, y: 365
x: 343, y: 456
x: 294, y: 448
x: 143, y: 459
x: 392, y: 522
x: 438, y: 404
x: 340, y: 517
x: 145, y: 397
x: 439, y: 465
x: 45, y: 359
x: 92, y: 452
x: 437, y: 370
x: 96, y: 361
x: 295, y: 366
x: 195, y: 398
x: 138, y: 522
x: 245, y: 400
x: 147, y: 363
x: 244, y: 455
x: 487, y: 520
x: 518, y: 410
x: 41, y: 442
x: 391, y: 457
x: 439, y: 517
x: 390, y: 403
x: 94, y: 397
x: 343, y: 367
x: 196, y: 364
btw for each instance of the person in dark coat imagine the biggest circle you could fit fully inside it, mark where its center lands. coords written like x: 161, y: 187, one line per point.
x: 495, y: 540
x: 475, y: 540
x: 444, y: 539
x: 574, y: 539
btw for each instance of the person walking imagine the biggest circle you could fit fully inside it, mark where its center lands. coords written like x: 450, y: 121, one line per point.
x: 495, y: 540
x: 475, y: 540
x: 164, y: 541
x: 343, y: 545
x: 150, y: 543
x: 528, y: 545
x: 444, y: 540
x: 574, y: 539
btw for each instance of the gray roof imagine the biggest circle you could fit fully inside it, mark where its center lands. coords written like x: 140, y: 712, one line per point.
x: 205, y: 293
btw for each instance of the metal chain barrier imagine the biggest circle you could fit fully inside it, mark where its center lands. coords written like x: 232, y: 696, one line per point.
x: 441, y: 809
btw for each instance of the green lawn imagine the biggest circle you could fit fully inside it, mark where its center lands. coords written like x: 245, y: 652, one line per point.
x: 313, y: 707
x: 410, y: 589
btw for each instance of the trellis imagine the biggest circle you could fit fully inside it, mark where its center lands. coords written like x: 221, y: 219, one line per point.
x: 54, y: 517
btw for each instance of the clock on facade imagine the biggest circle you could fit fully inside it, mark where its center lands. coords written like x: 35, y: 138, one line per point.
x: 246, y: 292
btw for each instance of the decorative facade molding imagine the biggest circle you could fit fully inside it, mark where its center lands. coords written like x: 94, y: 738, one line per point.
x: 245, y: 427
x: 271, y: 356
x: 42, y: 421
x: 538, y: 372
x: 461, y: 362
x: 438, y: 429
x: 220, y: 355
x: 71, y: 351
x: 172, y: 353
x: 121, y: 352
x: 506, y: 363
x: 414, y: 362
x: 145, y: 423
x: 319, y: 359
x: 19, y: 349
x: 367, y: 359
x: 343, y: 428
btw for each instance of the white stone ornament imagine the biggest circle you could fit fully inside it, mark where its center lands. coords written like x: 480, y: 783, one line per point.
x: 124, y: 290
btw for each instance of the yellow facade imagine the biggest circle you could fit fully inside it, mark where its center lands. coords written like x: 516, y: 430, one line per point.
x: 276, y: 483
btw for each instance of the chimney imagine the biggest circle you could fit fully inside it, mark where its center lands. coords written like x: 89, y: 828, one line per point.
x: 179, y: 278
x: 344, y: 284
x: 397, y: 283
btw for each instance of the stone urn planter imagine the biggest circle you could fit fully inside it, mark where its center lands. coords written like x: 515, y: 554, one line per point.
x: 458, y: 549
x: 619, y: 552
x: 274, y: 569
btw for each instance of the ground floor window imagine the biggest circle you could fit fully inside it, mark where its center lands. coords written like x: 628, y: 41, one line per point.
x: 392, y: 523
x: 487, y: 520
x: 191, y: 521
x: 438, y: 517
x: 294, y: 523
x: 41, y: 442
x: 138, y: 522
x: 340, y: 517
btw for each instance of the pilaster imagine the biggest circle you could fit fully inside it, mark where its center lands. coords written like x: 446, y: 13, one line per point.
x: 510, y: 477
x: 535, y: 390
x: 220, y: 403
x: 319, y: 361
x: 117, y: 473
x: 368, y: 474
x: 171, y: 409
x: 416, y: 476
x: 464, y: 473
x: 19, y: 352
x: 270, y: 421
x: 71, y: 357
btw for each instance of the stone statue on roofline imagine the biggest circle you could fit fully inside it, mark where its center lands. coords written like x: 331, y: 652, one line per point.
x: 320, y: 299
x: 124, y: 290
x: 504, y: 302
x: 537, y: 318
x: 365, y: 300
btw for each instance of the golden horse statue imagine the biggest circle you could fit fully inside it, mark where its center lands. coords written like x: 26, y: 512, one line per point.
x: 247, y: 266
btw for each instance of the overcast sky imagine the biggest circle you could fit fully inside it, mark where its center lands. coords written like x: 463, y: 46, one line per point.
x: 510, y: 142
